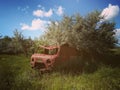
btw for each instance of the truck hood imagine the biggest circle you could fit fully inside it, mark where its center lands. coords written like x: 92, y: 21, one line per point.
x: 43, y: 56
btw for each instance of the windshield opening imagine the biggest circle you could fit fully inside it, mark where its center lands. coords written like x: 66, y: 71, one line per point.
x: 47, y: 51
x: 51, y: 51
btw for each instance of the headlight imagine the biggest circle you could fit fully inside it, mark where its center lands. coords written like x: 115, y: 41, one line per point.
x: 48, y: 61
x: 32, y: 60
x: 39, y: 60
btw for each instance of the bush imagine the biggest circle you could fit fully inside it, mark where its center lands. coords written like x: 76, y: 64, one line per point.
x: 76, y: 65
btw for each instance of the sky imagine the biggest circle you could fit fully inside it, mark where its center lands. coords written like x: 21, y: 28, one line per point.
x: 31, y: 17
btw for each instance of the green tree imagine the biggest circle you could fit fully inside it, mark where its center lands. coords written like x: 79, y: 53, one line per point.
x: 5, y: 45
x: 93, y: 42
x: 21, y: 44
x: 17, y: 41
x: 58, y: 32
x: 27, y: 46
x: 80, y: 33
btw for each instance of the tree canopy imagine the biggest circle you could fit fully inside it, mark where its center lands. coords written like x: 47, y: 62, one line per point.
x: 81, y: 33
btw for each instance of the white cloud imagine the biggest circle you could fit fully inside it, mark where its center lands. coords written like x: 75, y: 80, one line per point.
x: 39, y: 6
x: 23, y: 9
x: 42, y: 13
x: 49, y: 13
x: 60, y: 11
x: 110, y: 12
x: 37, y: 24
x: 117, y: 34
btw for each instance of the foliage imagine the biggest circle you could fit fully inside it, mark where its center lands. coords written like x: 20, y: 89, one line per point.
x: 81, y: 33
x: 5, y: 44
x: 17, y: 41
x: 16, y: 44
x: 28, y: 46
x: 39, y: 41
x: 77, y: 65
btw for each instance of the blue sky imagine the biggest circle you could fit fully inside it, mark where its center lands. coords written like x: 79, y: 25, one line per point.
x: 32, y: 16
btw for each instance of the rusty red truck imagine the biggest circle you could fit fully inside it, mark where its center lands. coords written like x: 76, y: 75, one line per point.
x: 45, y: 61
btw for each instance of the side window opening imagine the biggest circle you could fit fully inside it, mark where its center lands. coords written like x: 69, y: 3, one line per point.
x: 53, y: 51
x: 47, y: 51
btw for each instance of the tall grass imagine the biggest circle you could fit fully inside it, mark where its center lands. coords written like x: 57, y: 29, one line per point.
x: 16, y: 74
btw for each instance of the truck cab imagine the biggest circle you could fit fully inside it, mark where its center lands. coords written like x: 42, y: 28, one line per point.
x: 45, y: 59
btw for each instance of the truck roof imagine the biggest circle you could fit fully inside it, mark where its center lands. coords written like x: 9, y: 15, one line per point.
x: 49, y: 47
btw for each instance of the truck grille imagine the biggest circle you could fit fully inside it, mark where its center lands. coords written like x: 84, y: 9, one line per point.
x: 39, y: 65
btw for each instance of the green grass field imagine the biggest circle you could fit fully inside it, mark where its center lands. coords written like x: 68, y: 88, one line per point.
x: 16, y: 74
